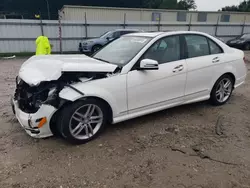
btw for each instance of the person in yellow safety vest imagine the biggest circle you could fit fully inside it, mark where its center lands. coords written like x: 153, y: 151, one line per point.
x: 43, y: 46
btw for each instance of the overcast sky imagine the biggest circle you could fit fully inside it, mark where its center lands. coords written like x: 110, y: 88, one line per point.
x: 214, y: 5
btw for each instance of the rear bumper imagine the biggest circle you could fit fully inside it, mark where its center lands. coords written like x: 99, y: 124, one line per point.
x: 29, y: 122
x: 240, y: 81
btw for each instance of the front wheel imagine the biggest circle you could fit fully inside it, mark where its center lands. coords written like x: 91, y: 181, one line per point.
x: 82, y: 121
x: 96, y: 48
x: 222, y: 90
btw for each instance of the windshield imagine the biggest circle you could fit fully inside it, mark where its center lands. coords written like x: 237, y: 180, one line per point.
x: 107, y: 34
x: 122, y: 50
x: 245, y: 36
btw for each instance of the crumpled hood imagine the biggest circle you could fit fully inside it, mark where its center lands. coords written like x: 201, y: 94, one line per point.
x: 50, y: 67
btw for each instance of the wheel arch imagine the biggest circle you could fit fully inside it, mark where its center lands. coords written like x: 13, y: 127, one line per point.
x: 227, y: 73
x: 108, y: 106
x: 230, y: 74
x: 54, y: 117
x: 100, y: 45
x: 90, y: 91
x: 213, y: 96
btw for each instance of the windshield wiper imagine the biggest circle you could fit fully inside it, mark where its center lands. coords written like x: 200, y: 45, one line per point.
x: 101, y: 60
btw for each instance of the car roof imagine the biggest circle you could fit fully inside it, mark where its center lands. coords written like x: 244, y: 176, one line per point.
x: 146, y: 34
x: 127, y: 30
x: 156, y: 34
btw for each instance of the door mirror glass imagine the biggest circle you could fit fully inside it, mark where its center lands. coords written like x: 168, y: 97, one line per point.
x: 148, y: 64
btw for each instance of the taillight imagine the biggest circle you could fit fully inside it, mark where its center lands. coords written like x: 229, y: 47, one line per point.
x: 244, y: 59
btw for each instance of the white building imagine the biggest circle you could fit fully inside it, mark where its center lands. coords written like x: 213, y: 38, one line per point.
x: 104, y: 14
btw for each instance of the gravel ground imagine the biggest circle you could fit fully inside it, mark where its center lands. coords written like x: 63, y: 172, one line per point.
x: 178, y: 148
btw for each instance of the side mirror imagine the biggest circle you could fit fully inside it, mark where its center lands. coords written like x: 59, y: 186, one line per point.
x: 108, y: 38
x: 148, y: 64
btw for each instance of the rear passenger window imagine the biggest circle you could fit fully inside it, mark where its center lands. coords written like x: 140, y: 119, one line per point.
x: 197, y: 46
x: 214, y: 48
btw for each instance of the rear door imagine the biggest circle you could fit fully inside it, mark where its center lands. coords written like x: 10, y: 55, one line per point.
x: 202, y: 56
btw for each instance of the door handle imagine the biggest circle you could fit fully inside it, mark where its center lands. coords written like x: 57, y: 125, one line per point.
x: 178, y: 68
x: 181, y: 68
x: 216, y: 60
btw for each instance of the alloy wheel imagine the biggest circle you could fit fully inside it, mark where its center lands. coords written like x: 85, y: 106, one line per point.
x: 224, y: 90
x: 96, y: 48
x: 86, y: 121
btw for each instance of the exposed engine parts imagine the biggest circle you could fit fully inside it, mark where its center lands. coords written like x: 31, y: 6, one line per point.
x: 30, y: 98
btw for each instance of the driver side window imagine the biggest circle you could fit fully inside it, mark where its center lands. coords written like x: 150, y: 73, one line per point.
x: 165, y: 50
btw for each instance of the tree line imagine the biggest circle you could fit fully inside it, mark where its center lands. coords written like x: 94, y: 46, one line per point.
x: 28, y: 8
x: 242, y: 7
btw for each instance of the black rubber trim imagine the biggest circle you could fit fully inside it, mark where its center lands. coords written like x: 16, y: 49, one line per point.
x: 12, y: 105
x: 75, y: 89
x: 29, y: 123
x: 38, y: 120
x: 33, y: 131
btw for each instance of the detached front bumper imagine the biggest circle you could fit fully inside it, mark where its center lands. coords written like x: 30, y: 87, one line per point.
x: 30, y: 122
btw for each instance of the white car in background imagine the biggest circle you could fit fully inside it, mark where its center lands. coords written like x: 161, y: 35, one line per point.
x: 140, y: 73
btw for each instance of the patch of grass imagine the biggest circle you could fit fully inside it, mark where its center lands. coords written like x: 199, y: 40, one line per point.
x: 18, y: 54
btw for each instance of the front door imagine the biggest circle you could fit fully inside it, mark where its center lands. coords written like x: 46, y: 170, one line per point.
x: 149, y: 89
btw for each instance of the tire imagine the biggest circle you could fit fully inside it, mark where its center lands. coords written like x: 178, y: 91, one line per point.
x: 95, y: 48
x: 74, y: 123
x: 221, y: 94
x: 247, y: 46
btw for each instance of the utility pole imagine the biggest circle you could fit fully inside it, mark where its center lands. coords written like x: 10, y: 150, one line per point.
x: 60, y: 30
x: 47, y: 1
x: 41, y: 22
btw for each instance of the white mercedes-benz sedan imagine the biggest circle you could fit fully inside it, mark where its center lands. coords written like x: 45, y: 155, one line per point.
x: 76, y: 96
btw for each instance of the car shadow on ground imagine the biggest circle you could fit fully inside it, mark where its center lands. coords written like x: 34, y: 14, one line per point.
x: 154, y: 119
x: 175, y: 111
x: 146, y: 119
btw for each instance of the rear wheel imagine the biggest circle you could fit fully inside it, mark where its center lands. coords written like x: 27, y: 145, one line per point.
x: 83, y: 121
x: 96, y: 48
x: 222, y: 90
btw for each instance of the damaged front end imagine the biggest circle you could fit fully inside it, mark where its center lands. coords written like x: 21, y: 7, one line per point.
x: 37, y: 103
x: 36, y: 107
x: 30, y: 98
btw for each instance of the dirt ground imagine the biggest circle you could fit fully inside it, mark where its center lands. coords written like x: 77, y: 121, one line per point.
x: 192, y: 146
